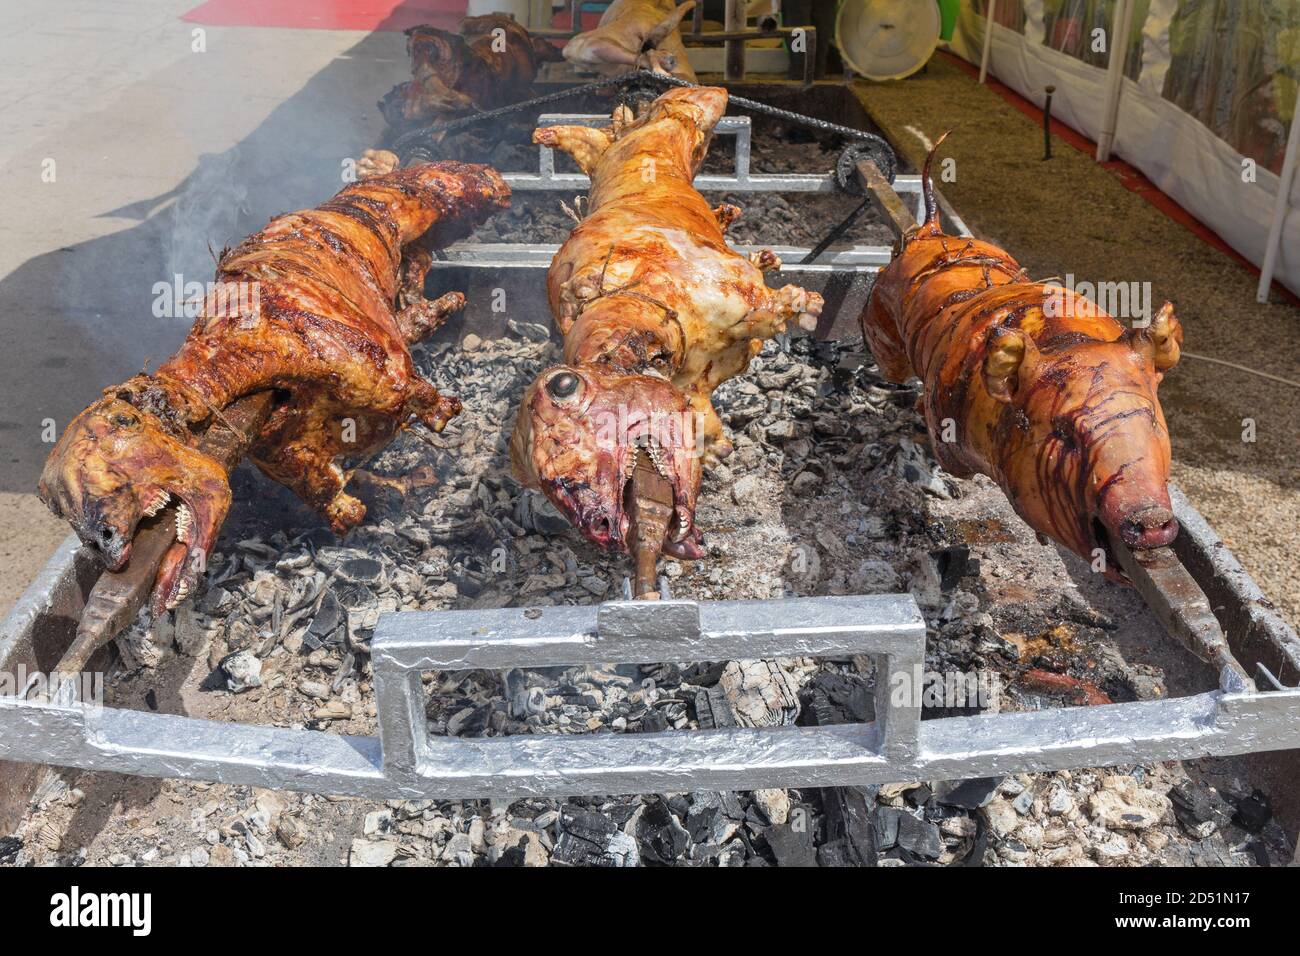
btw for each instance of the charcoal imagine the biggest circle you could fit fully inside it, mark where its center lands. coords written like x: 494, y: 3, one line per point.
x: 885, y: 824
x: 664, y: 675
x: 790, y: 846
x: 952, y: 564
x: 324, y: 627
x: 653, y: 722
x: 920, y: 838
x: 713, y: 817
x: 712, y: 709
x: 1196, y: 810
x: 703, y: 675
x: 967, y: 794
x: 850, y: 836
x: 587, y: 838
x: 836, y: 699
x: 1253, y: 812
x: 663, y: 838
x: 9, y: 847
x: 919, y: 796
x: 363, y: 571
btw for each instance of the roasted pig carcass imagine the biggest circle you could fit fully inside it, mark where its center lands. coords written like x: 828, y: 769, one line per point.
x: 1032, y: 385
x: 656, y: 311
x: 491, y: 62
x: 635, y: 33
x: 320, y: 306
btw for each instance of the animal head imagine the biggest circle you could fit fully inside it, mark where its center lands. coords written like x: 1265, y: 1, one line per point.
x: 116, y: 465
x: 577, y: 438
x: 1087, y: 449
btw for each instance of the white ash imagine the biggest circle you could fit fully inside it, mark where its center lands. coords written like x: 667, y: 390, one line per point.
x: 830, y: 491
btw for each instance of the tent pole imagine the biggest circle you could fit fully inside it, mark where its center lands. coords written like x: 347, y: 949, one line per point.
x: 988, y: 40
x: 1280, y: 208
x: 1114, y: 77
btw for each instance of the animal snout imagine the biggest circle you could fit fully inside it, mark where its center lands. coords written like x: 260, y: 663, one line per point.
x: 109, y: 542
x: 1151, y: 527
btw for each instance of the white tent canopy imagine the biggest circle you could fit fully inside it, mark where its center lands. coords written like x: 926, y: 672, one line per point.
x: 1206, y: 99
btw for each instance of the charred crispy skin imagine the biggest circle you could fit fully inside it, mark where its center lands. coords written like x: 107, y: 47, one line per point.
x: 635, y: 33
x: 320, y: 306
x: 491, y: 62
x: 1033, y: 386
x: 656, y: 311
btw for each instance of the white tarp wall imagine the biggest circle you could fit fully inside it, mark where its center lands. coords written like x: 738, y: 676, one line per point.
x: 1208, y: 85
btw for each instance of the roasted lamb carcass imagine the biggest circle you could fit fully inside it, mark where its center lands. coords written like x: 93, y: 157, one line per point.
x: 491, y: 62
x: 321, y: 306
x: 1032, y: 385
x: 656, y: 311
x: 635, y: 33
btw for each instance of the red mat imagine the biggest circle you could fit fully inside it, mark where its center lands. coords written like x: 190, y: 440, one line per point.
x: 394, y: 15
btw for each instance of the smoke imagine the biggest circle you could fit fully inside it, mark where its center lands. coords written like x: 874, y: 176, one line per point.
x: 211, y: 205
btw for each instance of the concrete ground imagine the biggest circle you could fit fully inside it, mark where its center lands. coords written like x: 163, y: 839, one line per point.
x: 158, y: 153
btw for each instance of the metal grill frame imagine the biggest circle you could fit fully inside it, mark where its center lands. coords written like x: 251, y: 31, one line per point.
x: 405, y: 762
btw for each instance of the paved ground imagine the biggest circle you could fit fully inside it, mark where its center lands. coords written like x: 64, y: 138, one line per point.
x: 158, y: 152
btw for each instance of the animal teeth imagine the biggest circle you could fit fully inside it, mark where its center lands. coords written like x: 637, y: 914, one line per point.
x: 183, y: 521
x: 182, y: 592
x: 656, y: 458
x: 159, y: 502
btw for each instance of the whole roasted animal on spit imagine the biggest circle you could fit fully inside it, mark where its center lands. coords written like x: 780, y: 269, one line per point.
x: 656, y: 311
x: 1032, y: 385
x: 491, y: 62
x: 632, y: 34
x: 318, y: 311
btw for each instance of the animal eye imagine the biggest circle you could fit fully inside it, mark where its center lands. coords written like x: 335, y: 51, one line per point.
x: 563, y: 385
x: 123, y: 421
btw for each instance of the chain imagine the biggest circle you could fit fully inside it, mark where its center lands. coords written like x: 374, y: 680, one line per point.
x: 627, y: 83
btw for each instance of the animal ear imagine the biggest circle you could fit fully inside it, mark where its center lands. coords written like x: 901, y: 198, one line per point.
x: 1003, y: 357
x: 1162, y: 339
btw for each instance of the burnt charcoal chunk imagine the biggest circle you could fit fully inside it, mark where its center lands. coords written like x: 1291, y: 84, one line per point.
x: 836, y: 699
x: 324, y: 627
x: 791, y: 847
x: 583, y: 838
x: 9, y: 847
x: 917, y: 839
x: 1193, y: 804
x: 712, y: 709
x: 714, y: 816
x: 967, y: 794
x: 920, y: 838
x: 653, y: 722
x: 952, y: 563
x: 850, y: 836
x: 703, y: 675
x: 664, y: 675
x: 365, y: 571
x: 1253, y: 812
x: 663, y: 838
